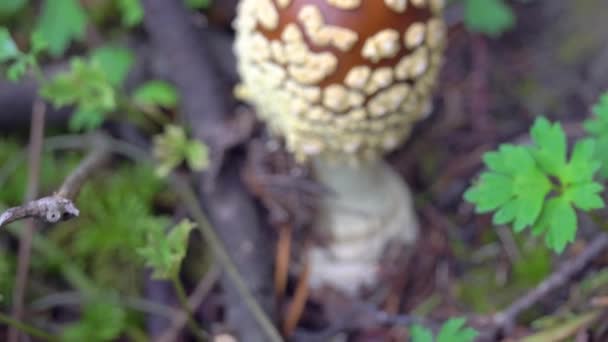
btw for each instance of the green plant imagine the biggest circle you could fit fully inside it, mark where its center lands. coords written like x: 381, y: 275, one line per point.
x: 101, y: 321
x: 490, y: 17
x: 164, y: 252
x: 198, y: 3
x: 132, y: 12
x: 18, y: 61
x: 538, y: 187
x: 10, y: 7
x: 454, y: 330
x: 173, y: 148
x: 92, y: 85
x: 598, y: 129
x: 122, y: 223
x: 61, y: 22
x: 88, y: 88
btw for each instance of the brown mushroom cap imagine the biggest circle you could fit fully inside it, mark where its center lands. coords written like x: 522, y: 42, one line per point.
x: 340, y: 78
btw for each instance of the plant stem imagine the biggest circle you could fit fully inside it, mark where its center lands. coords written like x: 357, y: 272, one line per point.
x: 26, y: 328
x: 26, y: 236
x: 190, y: 200
x: 38, y: 73
x: 183, y: 300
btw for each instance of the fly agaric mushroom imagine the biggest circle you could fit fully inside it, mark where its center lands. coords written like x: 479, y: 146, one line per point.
x: 343, y: 81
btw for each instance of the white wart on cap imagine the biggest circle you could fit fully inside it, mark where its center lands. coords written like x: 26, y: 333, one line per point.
x: 342, y: 79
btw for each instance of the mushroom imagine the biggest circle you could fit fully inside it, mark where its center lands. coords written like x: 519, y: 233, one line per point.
x: 344, y: 81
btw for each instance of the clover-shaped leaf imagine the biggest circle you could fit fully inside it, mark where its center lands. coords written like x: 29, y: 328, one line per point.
x: 538, y: 186
x: 514, y: 186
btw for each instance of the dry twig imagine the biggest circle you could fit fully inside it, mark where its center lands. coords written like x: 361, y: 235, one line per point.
x: 25, y: 240
x: 196, y: 298
x: 504, y: 320
x: 207, y: 107
x: 59, y: 206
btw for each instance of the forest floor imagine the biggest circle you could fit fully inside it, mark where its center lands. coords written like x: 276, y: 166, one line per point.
x: 553, y: 63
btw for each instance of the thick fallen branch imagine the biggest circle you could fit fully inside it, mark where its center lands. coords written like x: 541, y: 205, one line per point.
x: 59, y: 206
x: 206, y: 102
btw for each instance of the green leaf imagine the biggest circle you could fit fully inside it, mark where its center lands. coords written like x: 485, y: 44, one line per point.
x: 558, y: 222
x: 10, y: 7
x: 8, y: 48
x: 60, y: 22
x: 102, y: 321
x: 550, y: 149
x: 582, y: 165
x: 85, y: 120
x: 156, y: 93
x: 85, y: 86
x: 115, y: 62
x: 492, y: 17
x: 454, y: 330
x: 197, y: 156
x: 585, y: 196
x: 598, y: 129
x: 198, y: 4
x: 164, y: 254
x: 37, y: 43
x: 173, y: 147
x: 517, y: 184
x: 16, y: 71
x: 132, y: 12
x: 421, y: 334
x: 514, y: 187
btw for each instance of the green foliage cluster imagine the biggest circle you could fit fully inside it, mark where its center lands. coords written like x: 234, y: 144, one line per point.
x: 537, y: 186
x: 117, y: 212
x: 19, y: 61
x: 85, y: 86
x: 63, y: 21
x: 93, y: 86
x: 118, y: 230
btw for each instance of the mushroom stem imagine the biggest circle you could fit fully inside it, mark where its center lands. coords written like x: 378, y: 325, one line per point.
x: 370, y: 206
